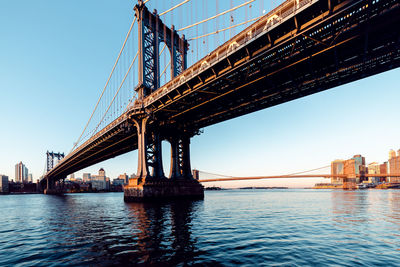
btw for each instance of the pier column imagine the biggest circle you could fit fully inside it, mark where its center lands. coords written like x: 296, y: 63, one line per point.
x: 174, y: 169
x: 150, y: 183
x: 149, y: 152
x: 50, y: 187
x: 180, y: 157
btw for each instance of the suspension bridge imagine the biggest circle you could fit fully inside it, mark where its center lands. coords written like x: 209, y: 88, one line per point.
x: 299, y: 48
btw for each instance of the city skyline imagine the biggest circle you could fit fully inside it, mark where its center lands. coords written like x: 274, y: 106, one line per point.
x: 62, y: 77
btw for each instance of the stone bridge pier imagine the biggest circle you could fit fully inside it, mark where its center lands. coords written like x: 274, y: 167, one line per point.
x: 51, y: 188
x: 151, y: 183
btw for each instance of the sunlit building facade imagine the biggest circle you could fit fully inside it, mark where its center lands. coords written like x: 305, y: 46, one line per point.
x: 354, y: 168
x: 337, y: 168
x: 86, y: 177
x: 21, y: 173
x: 124, y: 177
x: 392, y: 153
x: 394, y: 167
x: 374, y: 168
x: 100, y: 182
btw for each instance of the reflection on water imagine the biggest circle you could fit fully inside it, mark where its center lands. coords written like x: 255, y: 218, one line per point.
x: 246, y: 227
x: 163, y: 232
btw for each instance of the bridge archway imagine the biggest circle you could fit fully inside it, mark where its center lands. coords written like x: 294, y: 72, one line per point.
x: 166, y: 157
x: 165, y: 63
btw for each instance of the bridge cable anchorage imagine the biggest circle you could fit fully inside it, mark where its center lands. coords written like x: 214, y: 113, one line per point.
x: 215, y: 16
x: 228, y: 28
x: 172, y: 8
x: 116, y: 93
x: 108, y: 80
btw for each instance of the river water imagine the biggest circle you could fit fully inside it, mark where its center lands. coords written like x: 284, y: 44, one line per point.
x: 248, y: 227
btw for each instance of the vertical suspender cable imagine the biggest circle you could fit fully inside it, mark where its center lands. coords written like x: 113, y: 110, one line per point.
x: 102, y: 93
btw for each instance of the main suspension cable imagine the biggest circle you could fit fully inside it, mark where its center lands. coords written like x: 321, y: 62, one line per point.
x: 165, y: 69
x: 115, y: 95
x: 108, y: 80
x: 215, y: 16
x: 218, y: 31
x: 172, y: 8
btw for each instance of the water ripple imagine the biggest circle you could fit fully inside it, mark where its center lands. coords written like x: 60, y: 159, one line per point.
x: 252, y: 227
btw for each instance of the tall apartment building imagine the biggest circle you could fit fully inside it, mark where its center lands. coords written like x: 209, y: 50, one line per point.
x: 124, y: 177
x: 351, y: 167
x: 4, y: 184
x: 384, y: 169
x: 374, y: 168
x: 337, y: 168
x: 394, y: 166
x: 392, y: 153
x: 86, y: 177
x: 21, y: 173
x: 100, y: 182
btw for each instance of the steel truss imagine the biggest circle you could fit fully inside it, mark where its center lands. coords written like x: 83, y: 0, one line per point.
x: 152, y: 32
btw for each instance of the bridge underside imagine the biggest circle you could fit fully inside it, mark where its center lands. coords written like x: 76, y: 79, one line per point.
x: 116, y: 141
x: 303, y: 56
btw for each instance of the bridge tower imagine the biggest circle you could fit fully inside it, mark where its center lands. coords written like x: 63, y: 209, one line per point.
x: 50, y: 183
x: 150, y: 182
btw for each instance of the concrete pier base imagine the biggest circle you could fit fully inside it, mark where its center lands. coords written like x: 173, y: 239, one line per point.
x: 157, y: 190
x: 52, y: 192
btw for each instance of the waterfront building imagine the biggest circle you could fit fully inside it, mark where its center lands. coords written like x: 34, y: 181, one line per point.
x: 392, y: 154
x: 21, y: 173
x: 99, y: 182
x: 86, y: 177
x: 384, y: 169
x: 124, y: 177
x: 30, y: 178
x: 108, y: 184
x: 118, y: 181
x: 337, y: 168
x: 374, y: 168
x: 72, y: 176
x: 349, y: 167
x: 354, y: 167
x: 360, y: 168
x: 394, y: 167
x: 4, y: 188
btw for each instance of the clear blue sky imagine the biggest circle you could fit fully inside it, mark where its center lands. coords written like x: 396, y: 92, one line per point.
x: 55, y: 57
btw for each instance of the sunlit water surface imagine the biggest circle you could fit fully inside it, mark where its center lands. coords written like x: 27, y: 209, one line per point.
x: 246, y: 227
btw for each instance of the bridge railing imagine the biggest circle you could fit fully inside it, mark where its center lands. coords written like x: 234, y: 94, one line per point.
x: 263, y: 25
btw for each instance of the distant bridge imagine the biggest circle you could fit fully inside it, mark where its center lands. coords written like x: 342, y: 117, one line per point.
x: 224, y: 179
